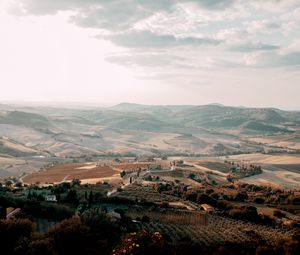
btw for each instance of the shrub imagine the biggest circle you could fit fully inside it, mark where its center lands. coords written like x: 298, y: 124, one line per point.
x: 248, y: 213
x: 241, y: 196
x: 141, y: 243
x: 278, y: 214
x: 12, y: 231
x: 259, y: 200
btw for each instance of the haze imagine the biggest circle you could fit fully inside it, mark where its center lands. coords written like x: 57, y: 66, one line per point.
x: 151, y: 52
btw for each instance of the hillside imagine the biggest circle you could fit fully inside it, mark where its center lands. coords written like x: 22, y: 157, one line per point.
x: 144, y: 130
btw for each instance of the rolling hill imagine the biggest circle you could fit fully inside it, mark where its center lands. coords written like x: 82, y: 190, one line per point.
x: 142, y: 130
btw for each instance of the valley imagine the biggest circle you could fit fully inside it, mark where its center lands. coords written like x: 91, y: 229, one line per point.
x: 32, y: 137
x: 204, y: 177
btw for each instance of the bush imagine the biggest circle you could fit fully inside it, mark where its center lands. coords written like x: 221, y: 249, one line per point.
x: 69, y: 236
x: 141, y: 243
x: 13, y: 231
x: 248, y: 213
x: 279, y: 214
x: 215, y: 195
x: 241, y: 196
x: 205, y: 199
x: 224, y: 205
x: 259, y: 200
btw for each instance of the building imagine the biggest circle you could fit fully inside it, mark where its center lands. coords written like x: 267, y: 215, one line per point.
x: 50, y: 198
x: 11, y: 212
x: 207, y: 208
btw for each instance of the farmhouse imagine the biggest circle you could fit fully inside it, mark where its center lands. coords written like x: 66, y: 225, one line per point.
x: 207, y: 208
x: 10, y: 212
x: 50, y: 198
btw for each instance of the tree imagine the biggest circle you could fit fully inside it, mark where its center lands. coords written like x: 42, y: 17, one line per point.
x: 192, y: 176
x: 141, y: 243
x: 8, y: 183
x: 91, y: 197
x: 29, y: 195
x: 259, y: 200
x: 40, y: 197
x: 72, y: 197
x: 70, y: 236
x: 12, y: 231
x: 19, y: 184
x: 241, y: 196
x: 75, y: 182
x: 104, y: 231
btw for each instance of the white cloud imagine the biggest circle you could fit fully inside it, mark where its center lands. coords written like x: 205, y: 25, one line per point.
x: 149, y: 51
x: 262, y: 26
x: 294, y: 47
x: 274, y: 6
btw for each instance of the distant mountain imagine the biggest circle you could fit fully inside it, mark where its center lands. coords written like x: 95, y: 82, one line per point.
x: 129, y: 107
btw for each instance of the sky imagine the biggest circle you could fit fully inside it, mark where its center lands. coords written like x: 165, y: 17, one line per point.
x: 232, y: 52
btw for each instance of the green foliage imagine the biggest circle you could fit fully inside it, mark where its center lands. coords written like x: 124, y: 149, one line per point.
x: 72, y: 197
x: 48, y: 210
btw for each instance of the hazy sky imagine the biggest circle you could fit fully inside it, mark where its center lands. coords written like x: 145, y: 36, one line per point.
x: 234, y: 52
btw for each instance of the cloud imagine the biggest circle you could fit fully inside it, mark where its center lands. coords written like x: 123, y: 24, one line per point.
x: 146, y: 39
x: 52, y: 6
x: 146, y: 60
x: 272, y: 59
x: 273, y: 6
x: 237, y: 39
x: 250, y: 46
x: 232, y: 27
x: 216, y: 4
x: 262, y: 26
x: 113, y: 15
x: 294, y: 47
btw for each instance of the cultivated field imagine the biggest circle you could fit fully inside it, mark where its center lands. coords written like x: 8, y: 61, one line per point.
x: 277, y: 178
x: 215, y: 165
x: 282, y: 171
x: 133, y: 166
x: 219, y: 230
x: 137, y: 192
x: 291, y: 141
x: 258, y: 158
x: 67, y: 172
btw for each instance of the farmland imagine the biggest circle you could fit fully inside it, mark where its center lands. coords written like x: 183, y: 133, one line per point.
x: 185, y: 201
x: 218, y: 231
x: 144, y: 193
x: 68, y: 172
x: 215, y: 165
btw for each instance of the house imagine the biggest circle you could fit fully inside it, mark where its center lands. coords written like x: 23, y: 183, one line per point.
x: 50, y: 198
x: 11, y: 212
x: 207, y: 208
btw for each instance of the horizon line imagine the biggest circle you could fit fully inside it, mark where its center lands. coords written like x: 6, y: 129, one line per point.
x: 68, y: 104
